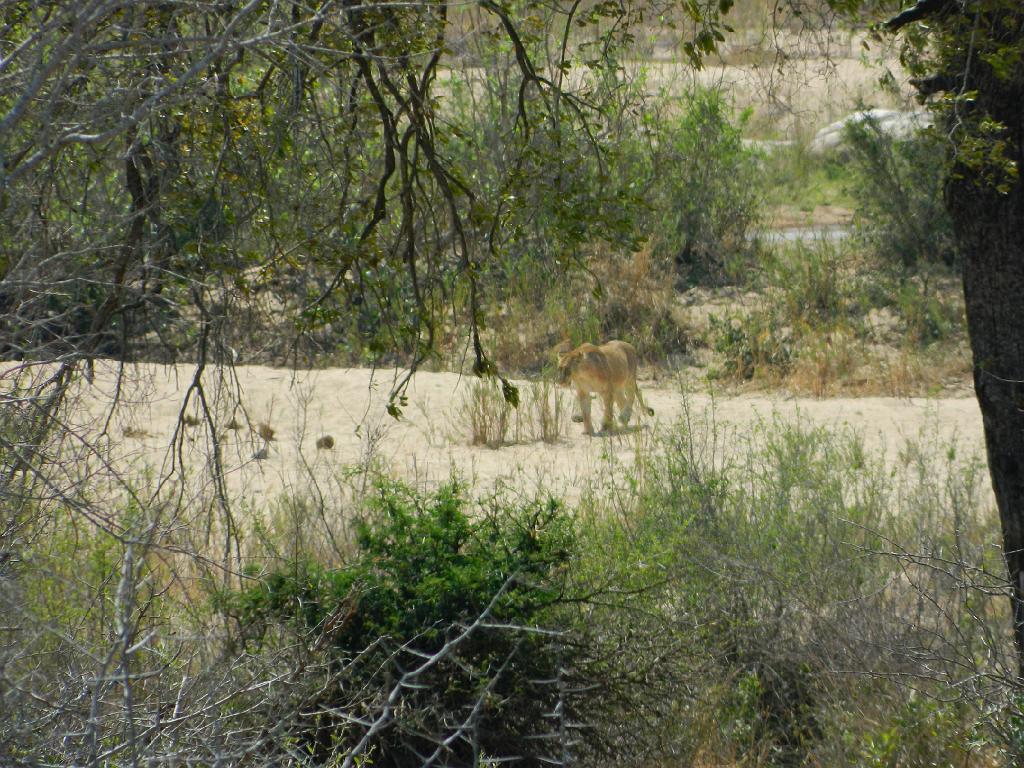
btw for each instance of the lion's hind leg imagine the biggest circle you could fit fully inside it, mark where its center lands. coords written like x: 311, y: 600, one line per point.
x: 608, y: 419
x: 624, y: 399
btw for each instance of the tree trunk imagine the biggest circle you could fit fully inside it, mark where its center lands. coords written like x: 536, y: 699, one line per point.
x: 989, y: 229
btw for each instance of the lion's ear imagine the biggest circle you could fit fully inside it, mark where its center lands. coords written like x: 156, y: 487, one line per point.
x: 562, y: 348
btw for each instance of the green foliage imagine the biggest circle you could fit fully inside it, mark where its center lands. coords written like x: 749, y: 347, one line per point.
x: 425, y: 569
x: 928, y: 317
x: 898, y: 190
x: 626, y: 296
x: 751, y: 345
x: 921, y: 732
x: 769, y: 710
x: 812, y: 284
x: 421, y: 565
x: 703, y: 191
x: 545, y: 193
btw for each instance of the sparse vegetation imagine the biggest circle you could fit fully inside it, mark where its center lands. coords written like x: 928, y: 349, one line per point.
x: 789, y: 556
x: 829, y: 320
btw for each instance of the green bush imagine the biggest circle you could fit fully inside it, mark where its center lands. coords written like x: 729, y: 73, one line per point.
x: 703, y: 193
x: 899, y: 197
x: 424, y: 571
x: 811, y: 284
x: 929, y: 319
x: 754, y: 345
x: 921, y: 731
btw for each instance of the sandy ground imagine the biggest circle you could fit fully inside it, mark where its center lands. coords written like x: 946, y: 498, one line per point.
x: 431, y: 440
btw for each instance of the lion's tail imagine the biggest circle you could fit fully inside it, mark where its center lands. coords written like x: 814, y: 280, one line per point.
x: 640, y: 399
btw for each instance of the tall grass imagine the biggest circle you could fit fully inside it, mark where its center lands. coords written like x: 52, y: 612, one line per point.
x: 828, y: 609
x: 489, y: 419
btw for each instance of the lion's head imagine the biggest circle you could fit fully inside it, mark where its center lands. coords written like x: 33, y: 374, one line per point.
x: 567, y: 365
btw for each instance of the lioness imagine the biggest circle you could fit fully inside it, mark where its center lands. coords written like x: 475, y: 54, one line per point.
x: 608, y: 370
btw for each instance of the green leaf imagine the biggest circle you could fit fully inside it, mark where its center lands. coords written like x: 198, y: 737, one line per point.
x: 510, y: 392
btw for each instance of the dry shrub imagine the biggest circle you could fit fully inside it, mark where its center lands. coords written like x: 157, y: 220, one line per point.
x: 543, y: 414
x: 636, y: 301
x: 908, y: 372
x: 837, y: 364
x: 622, y: 296
x: 824, y: 362
x: 486, y: 414
x: 524, y: 329
x: 548, y: 411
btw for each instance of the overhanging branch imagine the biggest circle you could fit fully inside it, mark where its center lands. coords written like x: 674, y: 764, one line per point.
x: 922, y: 9
x: 941, y: 83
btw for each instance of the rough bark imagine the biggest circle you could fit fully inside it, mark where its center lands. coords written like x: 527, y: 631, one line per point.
x: 989, y: 227
x: 992, y: 243
x: 980, y: 60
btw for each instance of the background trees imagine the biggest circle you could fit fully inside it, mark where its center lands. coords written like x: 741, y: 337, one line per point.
x: 162, y: 163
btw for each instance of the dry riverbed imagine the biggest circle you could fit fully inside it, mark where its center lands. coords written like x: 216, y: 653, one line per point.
x: 143, y: 440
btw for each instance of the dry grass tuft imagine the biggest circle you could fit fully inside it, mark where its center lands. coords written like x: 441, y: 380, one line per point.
x: 542, y: 415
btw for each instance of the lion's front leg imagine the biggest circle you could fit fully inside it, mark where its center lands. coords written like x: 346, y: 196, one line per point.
x: 588, y: 426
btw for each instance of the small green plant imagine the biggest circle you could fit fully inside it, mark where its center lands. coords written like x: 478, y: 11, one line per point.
x: 769, y: 709
x: 752, y: 346
x: 928, y: 317
x: 810, y: 284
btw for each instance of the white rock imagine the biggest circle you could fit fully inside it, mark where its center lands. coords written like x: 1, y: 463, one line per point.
x: 895, y: 123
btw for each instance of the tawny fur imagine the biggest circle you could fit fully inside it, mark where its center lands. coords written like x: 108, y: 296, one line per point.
x: 609, y: 371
